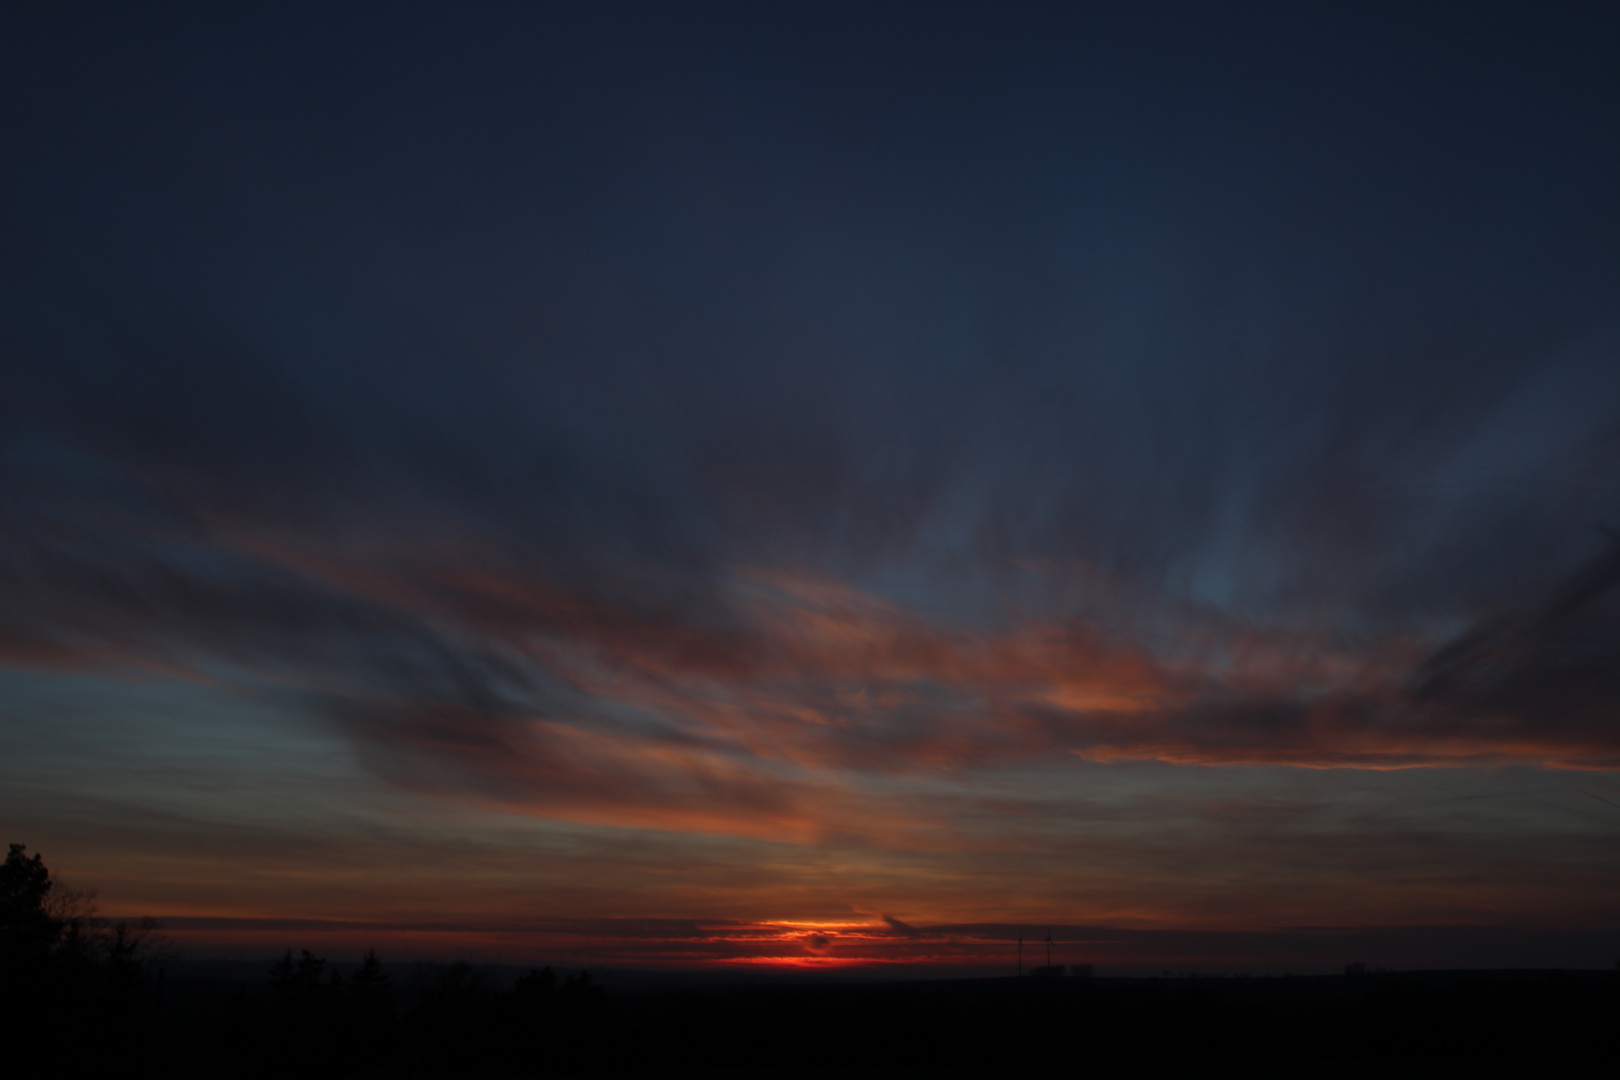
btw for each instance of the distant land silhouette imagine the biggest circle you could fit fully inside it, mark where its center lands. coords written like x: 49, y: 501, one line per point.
x: 88, y: 996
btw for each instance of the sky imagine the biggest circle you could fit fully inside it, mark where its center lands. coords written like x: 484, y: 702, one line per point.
x: 818, y: 487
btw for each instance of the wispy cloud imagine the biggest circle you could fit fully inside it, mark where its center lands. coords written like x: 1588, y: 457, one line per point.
x: 831, y: 452
x: 757, y: 711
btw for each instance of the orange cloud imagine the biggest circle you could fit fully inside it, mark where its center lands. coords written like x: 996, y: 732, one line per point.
x: 783, y: 706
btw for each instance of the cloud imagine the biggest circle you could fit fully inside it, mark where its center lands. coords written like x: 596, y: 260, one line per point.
x: 742, y: 608
x: 790, y: 716
x: 766, y: 702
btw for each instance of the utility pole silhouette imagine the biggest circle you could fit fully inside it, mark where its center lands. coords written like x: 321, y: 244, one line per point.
x: 1048, y: 946
x: 1020, y: 954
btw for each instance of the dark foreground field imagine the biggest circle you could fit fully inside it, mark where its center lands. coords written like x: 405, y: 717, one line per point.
x: 305, y: 1019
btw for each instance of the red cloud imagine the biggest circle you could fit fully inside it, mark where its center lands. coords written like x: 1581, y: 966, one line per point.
x: 768, y: 709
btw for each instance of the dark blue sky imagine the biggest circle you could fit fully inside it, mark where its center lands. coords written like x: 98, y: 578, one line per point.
x: 923, y: 442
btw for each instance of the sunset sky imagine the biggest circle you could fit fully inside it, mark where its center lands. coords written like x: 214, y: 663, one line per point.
x: 818, y: 486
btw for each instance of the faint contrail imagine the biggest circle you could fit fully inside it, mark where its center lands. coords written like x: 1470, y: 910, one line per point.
x: 1599, y: 798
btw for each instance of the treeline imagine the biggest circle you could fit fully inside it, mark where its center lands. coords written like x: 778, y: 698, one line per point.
x: 74, y: 989
x: 89, y: 998
x: 312, y: 1021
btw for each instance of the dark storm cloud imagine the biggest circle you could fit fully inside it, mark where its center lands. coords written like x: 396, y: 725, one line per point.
x: 655, y: 415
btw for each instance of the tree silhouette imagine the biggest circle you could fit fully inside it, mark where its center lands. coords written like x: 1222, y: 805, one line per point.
x: 27, y: 930
x: 369, y: 1021
x: 67, y: 979
x: 371, y: 990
